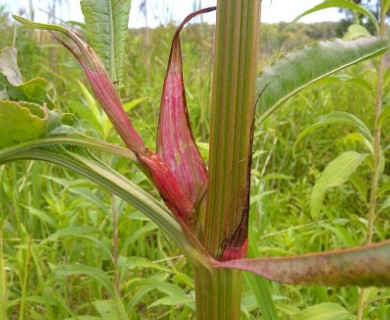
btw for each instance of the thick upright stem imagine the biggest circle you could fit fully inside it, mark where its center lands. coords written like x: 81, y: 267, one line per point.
x: 377, y: 140
x: 372, y: 209
x: 218, y: 294
x: 232, y: 112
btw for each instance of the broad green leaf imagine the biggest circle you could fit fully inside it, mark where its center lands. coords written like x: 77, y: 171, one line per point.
x: 323, y: 311
x: 346, y: 4
x: 299, y: 69
x: 107, y: 25
x: 37, y: 90
x: 356, y: 31
x: 362, y: 266
x: 9, y: 66
x: 23, y: 121
x: 336, y: 173
x: 337, y: 118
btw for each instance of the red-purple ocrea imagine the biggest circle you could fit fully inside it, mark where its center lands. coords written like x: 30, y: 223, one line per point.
x: 175, y: 142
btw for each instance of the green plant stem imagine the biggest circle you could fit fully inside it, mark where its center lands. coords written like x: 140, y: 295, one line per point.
x: 115, y: 244
x: 218, y: 294
x: 3, y: 278
x: 377, y: 140
x: 372, y: 209
x: 232, y: 112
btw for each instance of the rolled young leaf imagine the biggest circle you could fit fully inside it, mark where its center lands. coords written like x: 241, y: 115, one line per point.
x: 364, y: 266
x: 175, y: 142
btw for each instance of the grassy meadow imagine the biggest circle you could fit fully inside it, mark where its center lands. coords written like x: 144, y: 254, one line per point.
x: 71, y: 250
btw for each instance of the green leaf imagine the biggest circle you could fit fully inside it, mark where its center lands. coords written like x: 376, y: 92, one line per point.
x: 95, y: 273
x: 337, y: 118
x: 41, y: 26
x: 260, y: 287
x: 346, y: 4
x: 336, y: 173
x: 356, y: 31
x: 299, y: 69
x: 386, y: 5
x: 385, y: 205
x: 323, y: 311
x: 362, y: 266
x: 384, y: 115
x: 107, y: 25
x: 37, y: 90
x: 345, y: 78
x: 108, y: 309
x: 360, y: 186
x: 23, y: 121
x: 79, y: 232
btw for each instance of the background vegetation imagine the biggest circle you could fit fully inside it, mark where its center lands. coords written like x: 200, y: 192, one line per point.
x: 64, y: 256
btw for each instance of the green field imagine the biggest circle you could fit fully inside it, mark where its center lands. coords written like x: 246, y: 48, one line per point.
x: 72, y: 250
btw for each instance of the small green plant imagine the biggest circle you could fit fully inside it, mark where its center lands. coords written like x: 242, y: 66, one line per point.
x: 206, y: 211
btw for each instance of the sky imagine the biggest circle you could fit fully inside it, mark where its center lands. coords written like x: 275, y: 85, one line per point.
x: 163, y: 11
